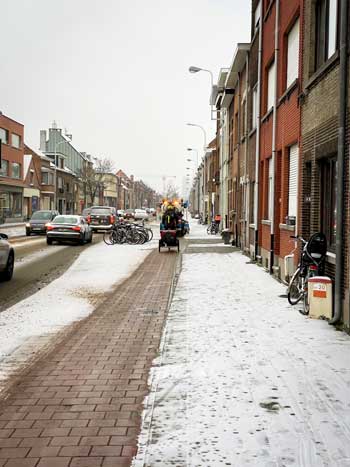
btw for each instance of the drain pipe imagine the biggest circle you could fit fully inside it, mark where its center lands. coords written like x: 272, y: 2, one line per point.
x: 257, y: 147
x: 343, y: 82
x: 274, y: 143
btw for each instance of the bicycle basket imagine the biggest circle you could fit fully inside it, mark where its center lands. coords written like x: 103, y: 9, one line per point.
x: 316, y: 247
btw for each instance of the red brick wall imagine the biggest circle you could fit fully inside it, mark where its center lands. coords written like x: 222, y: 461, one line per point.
x: 8, y: 152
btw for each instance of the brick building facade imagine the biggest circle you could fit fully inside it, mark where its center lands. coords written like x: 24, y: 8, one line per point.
x: 11, y: 172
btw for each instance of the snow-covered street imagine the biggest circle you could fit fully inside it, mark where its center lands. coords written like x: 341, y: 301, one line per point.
x: 242, y: 378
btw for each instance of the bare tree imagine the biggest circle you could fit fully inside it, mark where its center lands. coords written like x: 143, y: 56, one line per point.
x: 92, y: 177
x: 171, y: 191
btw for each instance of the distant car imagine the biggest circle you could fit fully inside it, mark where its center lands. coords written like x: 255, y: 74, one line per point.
x: 102, y: 217
x: 69, y: 228
x: 153, y: 212
x: 140, y: 214
x: 129, y: 214
x: 121, y: 213
x: 7, y: 258
x: 38, y: 221
x: 86, y: 213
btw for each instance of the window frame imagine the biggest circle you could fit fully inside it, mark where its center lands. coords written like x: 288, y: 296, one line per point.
x: 7, y: 134
x: 4, y: 161
x: 17, y: 165
x: 322, y: 32
x: 328, y: 199
x: 14, y: 136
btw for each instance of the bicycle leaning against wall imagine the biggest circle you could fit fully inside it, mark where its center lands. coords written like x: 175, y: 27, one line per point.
x: 311, y: 264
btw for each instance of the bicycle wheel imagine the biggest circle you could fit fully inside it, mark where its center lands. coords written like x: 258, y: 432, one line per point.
x: 149, y: 234
x: 108, y: 237
x: 306, y: 304
x: 295, y: 290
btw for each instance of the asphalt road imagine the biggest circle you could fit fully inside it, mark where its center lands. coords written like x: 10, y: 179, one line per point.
x: 37, y: 264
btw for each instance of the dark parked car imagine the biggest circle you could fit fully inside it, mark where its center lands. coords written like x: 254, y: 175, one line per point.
x: 38, y: 221
x: 102, y: 217
x: 69, y: 228
x: 7, y: 258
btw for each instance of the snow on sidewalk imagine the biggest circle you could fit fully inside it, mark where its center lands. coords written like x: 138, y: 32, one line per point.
x: 69, y: 298
x: 243, y: 379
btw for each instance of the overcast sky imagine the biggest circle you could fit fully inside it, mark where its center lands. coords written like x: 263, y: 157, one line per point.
x: 115, y: 74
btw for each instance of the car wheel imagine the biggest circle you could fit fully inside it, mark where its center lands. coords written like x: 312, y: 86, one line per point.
x: 49, y: 241
x: 90, y: 238
x: 81, y: 241
x: 28, y: 232
x: 8, y: 273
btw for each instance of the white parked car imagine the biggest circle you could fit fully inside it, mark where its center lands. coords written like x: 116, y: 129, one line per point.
x: 140, y: 215
x: 7, y: 258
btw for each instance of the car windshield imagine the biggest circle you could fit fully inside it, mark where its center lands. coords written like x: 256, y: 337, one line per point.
x: 101, y: 211
x: 65, y: 220
x: 86, y: 212
x: 43, y: 215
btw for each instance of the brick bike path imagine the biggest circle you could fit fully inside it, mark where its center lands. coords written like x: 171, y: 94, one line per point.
x: 81, y: 405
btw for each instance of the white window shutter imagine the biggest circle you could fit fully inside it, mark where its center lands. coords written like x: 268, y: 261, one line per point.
x: 293, y: 180
x: 270, y: 189
x: 271, y: 87
x: 293, y: 54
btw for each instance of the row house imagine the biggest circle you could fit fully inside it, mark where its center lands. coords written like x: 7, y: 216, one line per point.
x: 70, y: 166
x: 282, y: 138
x: 11, y: 170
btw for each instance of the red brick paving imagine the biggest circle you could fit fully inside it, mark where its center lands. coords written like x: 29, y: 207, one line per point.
x: 81, y: 405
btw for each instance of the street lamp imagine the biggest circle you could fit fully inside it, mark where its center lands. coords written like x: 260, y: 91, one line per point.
x: 196, y: 151
x: 196, y: 69
x: 204, y: 133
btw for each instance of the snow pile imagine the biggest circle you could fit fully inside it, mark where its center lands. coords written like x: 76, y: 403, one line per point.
x: 70, y: 297
x: 243, y: 379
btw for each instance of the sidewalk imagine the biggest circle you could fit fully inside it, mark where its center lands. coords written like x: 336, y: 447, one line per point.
x: 243, y: 379
x: 81, y: 405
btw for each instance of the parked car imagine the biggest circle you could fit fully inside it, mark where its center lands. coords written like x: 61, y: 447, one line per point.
x: 102, y: 217
x: 7, y: 258
x: 140, y: 214
x: 153, y: 212
x: 69, y: 228
x: 38, y: 221
x: 121, y: 213
x: 129, y: 214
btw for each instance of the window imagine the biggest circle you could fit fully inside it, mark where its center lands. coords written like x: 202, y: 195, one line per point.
x: 4, y: 171
x: 271, y: 88
x: 293, y: 54
x: 16, y: 141
x: 257, y: 15
x: 60, y: 183
x: 236, y: 130
x: 293, y: 181
x: 4, y: 136
x: 254, y: 107
x: 328, y: 171
x: 16, y: 170
x: 326, y: 30
x: 46, y: 178
x: 31, y: 180
x: 269, y: 191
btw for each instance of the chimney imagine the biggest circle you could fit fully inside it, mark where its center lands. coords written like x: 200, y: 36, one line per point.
x: 43, y: 141
x: 132, y: 178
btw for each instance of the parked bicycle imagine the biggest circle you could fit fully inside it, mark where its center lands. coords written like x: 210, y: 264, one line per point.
x: 128, y: 232
x: 311, y: 264
x: 213, y: 228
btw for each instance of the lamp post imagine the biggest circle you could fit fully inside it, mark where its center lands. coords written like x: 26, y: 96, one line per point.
x: 204, y: 133
x: 55, y: 164
x: 196, y: 69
